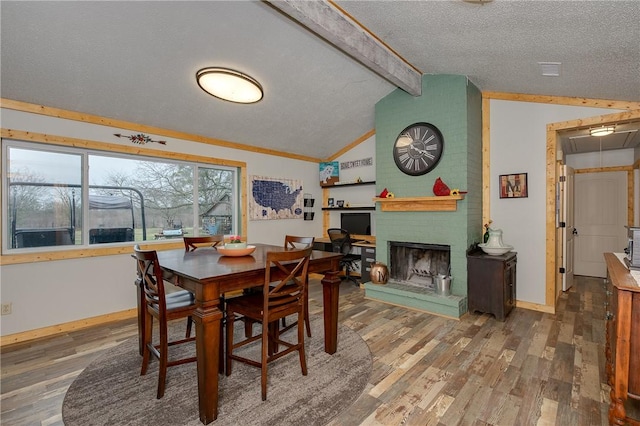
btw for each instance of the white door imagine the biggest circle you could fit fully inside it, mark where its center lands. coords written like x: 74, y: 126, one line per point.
x: 568, y: 229
x: 600, y: 211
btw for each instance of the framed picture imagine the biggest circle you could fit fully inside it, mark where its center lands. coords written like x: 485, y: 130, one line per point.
x: 330, y: 202
x: 329, y: 173
x: 340, y: 203
x: 514, y: 186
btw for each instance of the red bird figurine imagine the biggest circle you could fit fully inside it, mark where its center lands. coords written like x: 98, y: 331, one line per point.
x: 440, y: 188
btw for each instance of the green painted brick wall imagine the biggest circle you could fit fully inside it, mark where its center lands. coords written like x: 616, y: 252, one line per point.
x: 453, y: 105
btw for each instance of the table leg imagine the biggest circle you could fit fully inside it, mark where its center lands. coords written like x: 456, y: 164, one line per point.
x: 207, y: 347
x: 330, y: 293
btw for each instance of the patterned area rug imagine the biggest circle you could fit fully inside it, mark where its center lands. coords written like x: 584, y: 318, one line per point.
x: 110, y: 391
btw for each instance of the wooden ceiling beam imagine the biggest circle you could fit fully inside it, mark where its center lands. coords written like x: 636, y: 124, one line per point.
x: 339, y: 29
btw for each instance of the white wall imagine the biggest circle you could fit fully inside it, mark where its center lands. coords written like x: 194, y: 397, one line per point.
x: 356, y: 195
x: 50, y: 293
x: 518, y: 145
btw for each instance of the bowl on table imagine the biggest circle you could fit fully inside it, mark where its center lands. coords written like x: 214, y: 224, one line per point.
x: 236, y: 251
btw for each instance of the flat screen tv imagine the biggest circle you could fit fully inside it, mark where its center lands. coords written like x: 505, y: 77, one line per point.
x: 356, y: 223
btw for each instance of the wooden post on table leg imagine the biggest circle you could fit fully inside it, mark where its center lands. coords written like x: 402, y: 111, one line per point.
x: 207, y: 348
x: 330, y: 293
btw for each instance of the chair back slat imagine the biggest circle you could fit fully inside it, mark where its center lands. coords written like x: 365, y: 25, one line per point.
x: 151, y: 275
x: 286, y: 293
x: 192, y: 243
x: 295, y: 242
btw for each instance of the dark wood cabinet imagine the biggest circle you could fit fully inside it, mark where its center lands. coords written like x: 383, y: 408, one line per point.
x: 368, y: 256
x: 491, y: 283
x: 622, y: 348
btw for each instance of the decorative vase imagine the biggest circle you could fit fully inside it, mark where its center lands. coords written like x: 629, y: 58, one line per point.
x: 495, y: 238
x: 486, y: 236
x: 379, y: 273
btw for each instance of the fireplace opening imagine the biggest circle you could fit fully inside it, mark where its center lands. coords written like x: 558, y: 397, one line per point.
x: 418, y: 264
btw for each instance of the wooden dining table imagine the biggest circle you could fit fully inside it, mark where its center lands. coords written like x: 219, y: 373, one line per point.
x: 208, y: 274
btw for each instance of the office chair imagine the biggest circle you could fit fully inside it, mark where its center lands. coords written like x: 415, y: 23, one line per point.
x: 341, y: 243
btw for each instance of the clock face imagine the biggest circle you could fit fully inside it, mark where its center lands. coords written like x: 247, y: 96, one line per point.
x: 418, y: 149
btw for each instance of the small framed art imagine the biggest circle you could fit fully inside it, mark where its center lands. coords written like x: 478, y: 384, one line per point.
x: 330, y: 202
x: 514, y: 186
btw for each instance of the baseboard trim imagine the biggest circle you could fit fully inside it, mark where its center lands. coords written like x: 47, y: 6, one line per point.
x: 66, y: 327
x: 536, y: 307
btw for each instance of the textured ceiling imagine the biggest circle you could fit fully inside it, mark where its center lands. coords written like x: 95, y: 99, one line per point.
x: 136, y: 61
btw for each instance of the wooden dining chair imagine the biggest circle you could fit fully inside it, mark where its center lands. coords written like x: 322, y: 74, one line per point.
x: 192, y: 243
x: 295, y: 242
x: 157, y: 304
x: 283, y: 293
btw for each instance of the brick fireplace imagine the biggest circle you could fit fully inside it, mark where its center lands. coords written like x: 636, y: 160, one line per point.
x: 454, y: 105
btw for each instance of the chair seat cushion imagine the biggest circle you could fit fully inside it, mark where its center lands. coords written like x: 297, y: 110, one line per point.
x: 179, y: 299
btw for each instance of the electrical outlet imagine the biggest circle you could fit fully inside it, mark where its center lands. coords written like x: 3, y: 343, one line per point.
x: 6, y: 308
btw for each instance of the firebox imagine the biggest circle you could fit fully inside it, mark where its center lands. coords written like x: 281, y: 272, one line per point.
x: 417, y: 264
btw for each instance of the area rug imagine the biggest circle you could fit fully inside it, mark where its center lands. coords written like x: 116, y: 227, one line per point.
x: 110, y: 391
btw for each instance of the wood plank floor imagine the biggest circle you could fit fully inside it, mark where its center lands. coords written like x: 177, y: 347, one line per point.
x: 532, y: 369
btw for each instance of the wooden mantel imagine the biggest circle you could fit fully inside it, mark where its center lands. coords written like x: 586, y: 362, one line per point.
x: 447, y: 203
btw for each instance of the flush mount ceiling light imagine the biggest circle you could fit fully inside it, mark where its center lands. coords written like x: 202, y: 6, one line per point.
x: 602, y: 131
x: 229, y: 85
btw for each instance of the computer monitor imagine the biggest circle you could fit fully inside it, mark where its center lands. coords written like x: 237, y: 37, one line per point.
x: 356, y: 223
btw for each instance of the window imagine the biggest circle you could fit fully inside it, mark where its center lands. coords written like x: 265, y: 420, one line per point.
x: 58, y: 196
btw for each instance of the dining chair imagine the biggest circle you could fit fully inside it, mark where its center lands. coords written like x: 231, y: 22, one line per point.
x: 296, y: 242
x: 192, y: 243
x: 157, y: 304
x: 341, y: 243
x: 282, y: 295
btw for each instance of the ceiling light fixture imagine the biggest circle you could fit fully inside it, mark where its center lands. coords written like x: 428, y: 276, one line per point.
x: 602, y: 131
x: 229, y: 85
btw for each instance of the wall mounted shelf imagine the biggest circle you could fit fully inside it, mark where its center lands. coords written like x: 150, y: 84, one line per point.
x: 417, y: 204
x: 373, y: 182
x: 350, y: 208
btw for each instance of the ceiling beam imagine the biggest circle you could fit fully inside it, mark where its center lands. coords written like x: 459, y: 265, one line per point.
x: 342, y: 31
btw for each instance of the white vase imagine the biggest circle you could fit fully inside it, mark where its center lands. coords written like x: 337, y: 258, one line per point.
x: 495, y: 238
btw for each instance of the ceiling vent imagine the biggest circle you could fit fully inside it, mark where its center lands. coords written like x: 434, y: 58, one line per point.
x: 550, y: 69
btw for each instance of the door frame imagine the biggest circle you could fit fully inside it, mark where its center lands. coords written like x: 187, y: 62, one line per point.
x: 554, y: 161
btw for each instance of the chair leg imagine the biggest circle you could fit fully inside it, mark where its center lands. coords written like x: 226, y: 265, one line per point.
x: 189, y: 326
x: 301, y: 352
x: 229, y: 350
x: 164, y: 358
x: 307, y: 322
x: 265, y: 350
x: 147, y: 338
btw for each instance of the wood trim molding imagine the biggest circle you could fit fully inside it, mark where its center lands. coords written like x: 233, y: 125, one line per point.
x: 102, y: 121
x: 66, y: 327
x: 87, y: 252
x: 562, y: 100
x: 552, y: 143
x: 353, y: 144
x: 414, y: 204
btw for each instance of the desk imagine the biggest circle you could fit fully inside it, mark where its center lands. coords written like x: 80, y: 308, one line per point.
x: 207, y: 274
x: 366, y: 248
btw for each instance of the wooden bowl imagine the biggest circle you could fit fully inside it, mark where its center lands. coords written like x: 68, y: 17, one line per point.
x: 236, y: 251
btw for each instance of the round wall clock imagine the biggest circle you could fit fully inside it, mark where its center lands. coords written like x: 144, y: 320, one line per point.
x: 418, y: 149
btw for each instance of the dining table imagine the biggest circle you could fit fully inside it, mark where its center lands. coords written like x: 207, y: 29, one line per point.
x: 208, y: 274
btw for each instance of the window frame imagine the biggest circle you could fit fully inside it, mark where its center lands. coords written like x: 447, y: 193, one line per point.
x: 66, y: 145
